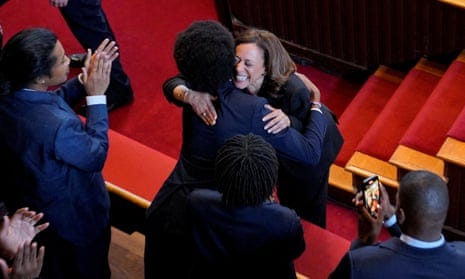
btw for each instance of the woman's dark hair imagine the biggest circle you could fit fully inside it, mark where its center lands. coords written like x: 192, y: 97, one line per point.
x: 204, y: 54
x: 246, y: 170
x: 25, y: 57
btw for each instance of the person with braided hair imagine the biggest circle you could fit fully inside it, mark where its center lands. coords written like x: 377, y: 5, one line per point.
x: 240, y: 231
x: 204, y: 55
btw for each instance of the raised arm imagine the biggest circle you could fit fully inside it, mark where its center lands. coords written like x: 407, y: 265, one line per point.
x: 177, y: 91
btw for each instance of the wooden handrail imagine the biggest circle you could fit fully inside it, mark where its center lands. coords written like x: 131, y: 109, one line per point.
x: 457, y: 3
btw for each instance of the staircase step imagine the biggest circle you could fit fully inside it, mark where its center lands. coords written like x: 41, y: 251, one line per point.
x: 365, y: 107
x: 359, y: 116
x: 429, y: 129
x: 382, y: 138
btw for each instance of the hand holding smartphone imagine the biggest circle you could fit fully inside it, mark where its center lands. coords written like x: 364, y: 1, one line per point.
x: 371, y: 194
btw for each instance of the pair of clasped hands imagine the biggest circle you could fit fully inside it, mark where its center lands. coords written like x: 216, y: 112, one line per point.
x: 95, y: 75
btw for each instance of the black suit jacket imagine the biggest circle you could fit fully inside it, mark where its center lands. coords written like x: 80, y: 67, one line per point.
x: 243, y: 242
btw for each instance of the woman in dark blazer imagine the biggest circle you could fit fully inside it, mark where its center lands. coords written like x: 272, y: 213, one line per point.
x: 51, y: 160
x: 204, y: 54
x: 264, y: 68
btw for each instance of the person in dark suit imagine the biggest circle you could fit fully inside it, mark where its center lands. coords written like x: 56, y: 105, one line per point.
x: 51, y: 160
x: 204, y: 54
x: 264, y: 68
x: 239, y: 231
x: 89, y: 24
x: 421, y: 250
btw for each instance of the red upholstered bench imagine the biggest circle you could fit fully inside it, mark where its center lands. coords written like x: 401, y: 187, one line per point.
x: 323, y: 252
x: 133, y: 173
x: 425, y: 136
x: 357, y: 119
x: 374, y: 150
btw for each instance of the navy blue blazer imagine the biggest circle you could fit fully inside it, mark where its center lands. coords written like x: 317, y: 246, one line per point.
x: 167, y: 221
x: 52, y: 162
x: 396, y: 259
x: 238, y: 113
x: 243, y: 242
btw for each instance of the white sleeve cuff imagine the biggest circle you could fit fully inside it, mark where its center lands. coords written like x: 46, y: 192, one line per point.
x: 391, y: 221
x: 317, y: 109
x: 96, y: 100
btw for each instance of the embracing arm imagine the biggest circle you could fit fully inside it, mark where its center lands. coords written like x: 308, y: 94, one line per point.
x: 176, y: 91
x: 303, y: 147
x: 299, y: 94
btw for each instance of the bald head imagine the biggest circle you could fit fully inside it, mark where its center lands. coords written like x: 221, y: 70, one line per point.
x: 424, y: 199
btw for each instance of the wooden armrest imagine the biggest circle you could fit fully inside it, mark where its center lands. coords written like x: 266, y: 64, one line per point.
x: 126, y: 195
x: 457, y: 3
x: 410, y: 159
x: 365, y: 165
x: 340, y: 178
x: 453, y: 151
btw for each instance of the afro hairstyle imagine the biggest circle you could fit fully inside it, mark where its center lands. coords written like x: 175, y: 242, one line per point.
x: 204, y: 55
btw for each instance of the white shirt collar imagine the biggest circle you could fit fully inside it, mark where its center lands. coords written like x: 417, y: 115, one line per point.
x: 422, y: 244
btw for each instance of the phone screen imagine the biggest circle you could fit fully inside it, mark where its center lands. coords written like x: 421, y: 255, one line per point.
x: 371, y: 195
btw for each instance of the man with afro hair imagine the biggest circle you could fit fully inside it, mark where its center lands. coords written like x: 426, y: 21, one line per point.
x: 204, y: 55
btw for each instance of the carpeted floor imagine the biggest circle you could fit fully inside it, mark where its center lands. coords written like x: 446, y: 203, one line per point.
x: 146, y: 32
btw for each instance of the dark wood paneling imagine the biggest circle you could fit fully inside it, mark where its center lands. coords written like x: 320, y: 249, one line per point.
x: 354, y: 35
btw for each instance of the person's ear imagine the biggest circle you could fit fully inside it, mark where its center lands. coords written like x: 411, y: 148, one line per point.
x: 40, y: 80
x: 400, y: 216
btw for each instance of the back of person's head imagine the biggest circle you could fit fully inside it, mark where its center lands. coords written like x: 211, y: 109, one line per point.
x: 246, y: 170
x: 25, y: 57
x: 278, y: 64
x: 424, y: 200
x: 204, y: 54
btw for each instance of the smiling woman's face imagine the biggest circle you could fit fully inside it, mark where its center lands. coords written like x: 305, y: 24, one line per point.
x: 250, y: 67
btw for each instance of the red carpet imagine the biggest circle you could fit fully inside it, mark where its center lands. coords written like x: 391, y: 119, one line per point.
x: 146, y: 32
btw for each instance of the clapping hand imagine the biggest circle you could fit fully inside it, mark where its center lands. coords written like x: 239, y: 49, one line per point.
x: 95, y: 74
x: 21, y: 228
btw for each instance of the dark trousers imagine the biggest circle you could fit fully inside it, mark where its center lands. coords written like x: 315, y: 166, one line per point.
x: 66, y: 260
x: 168, y: 239
x: 308, y: 197
x: 88, y: 22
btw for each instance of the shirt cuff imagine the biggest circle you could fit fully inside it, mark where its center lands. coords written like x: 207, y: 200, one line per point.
x: 317, y: 109
x: 391, y: 221
x: 96, y: 100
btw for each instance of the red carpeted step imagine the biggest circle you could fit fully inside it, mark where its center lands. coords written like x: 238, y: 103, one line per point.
x: 457, y: 130
x: 382, y: 138
x: 323, y: 252
x: 427, y: 132
x: 421, y: 142
x: 365, y: 107
x: 358, y: 117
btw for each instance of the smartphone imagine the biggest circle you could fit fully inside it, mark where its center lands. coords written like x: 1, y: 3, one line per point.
x: 371, y: 199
